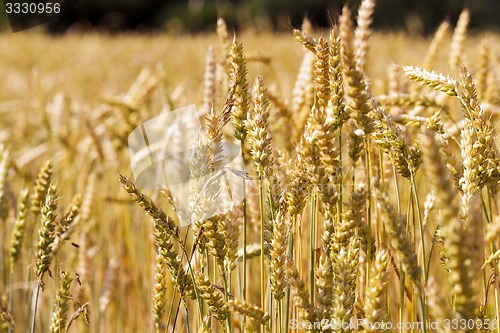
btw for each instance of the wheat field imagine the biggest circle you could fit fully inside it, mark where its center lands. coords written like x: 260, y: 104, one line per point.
x: 369, y: 193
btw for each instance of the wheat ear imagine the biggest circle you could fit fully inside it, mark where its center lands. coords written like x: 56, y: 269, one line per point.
x: 41, y: 186
x: 61, y: 306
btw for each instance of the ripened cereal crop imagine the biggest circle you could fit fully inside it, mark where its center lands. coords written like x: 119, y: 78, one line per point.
x: 364, y: 197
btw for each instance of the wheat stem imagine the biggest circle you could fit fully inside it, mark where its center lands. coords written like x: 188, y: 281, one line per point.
x: 420, y: 224
x: 11, y: 293
x: 291, y: 242
x: 368, y: 207
x: 244, y: 288
x: 226, y: 296
x: 33, y: 319
x: 312, y: 232
x: 262, y: 252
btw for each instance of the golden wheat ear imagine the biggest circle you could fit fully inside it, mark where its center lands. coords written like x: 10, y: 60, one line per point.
x: 4, y: 172
x: 375, y: 307
x: 41, y: 186
x: 46, y: 235
x: 150, y: 207
x: 19, y: 228
x: 457, y: 55
x: 238, y: 79
x: 213, y: 296
x: 61, y: 304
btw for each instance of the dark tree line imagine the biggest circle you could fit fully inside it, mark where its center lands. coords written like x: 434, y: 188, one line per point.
x: 200, y: 15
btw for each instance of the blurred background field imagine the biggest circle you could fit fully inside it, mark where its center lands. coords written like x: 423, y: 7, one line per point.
x: 92, y: 67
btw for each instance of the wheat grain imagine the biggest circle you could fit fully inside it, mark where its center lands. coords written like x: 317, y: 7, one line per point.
x: 19, y: 228
x: 306, y: 40
x: 458, y: 39
x: 209, y: 83
x: 150, y: 207
x: 41, y: 186
x: 238, y: 79
x: 212, y: 296
x: 375, y: 307
x: 363, y: 32
x: 301, y: 295
x: 400, y: 242
x: 277, y: 262
x: 61, y: 306
x: 483, y: 68
x: 345, y: 268
x: 250, y: 310
x: 159, y: 289
x: 432, y: 80
x: 46, y: 234
x: 257, y: 128
x: 4, y: 171
x: 324, y: 285
x: 436, y: 44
